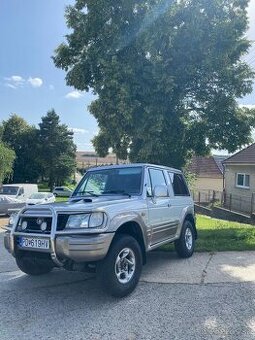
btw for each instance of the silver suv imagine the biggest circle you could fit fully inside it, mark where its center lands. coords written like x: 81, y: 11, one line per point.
x: 114, y: 217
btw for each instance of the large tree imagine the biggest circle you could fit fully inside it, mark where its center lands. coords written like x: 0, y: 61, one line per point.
x: 57, y: 149
x: 22, y: 138
x: 167, y: 75
x: 7, y: 157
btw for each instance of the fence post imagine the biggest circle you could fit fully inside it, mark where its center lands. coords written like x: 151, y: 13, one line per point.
x: 230, y: 202
x: 252, y: 203
x: 199, y: 197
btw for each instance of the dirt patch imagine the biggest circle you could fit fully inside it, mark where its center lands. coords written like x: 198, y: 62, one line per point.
x: 3, y: 221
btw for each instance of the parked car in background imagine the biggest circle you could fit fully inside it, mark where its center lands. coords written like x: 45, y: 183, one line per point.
x: 7, y: 203
x: 41, y: 198
x: 18, y: 191
x: 62, y: 191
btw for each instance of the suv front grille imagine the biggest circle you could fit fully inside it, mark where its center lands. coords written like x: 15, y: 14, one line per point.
x: 34, y: 224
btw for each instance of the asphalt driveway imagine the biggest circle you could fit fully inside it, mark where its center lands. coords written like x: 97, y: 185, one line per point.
x: 210, y: 296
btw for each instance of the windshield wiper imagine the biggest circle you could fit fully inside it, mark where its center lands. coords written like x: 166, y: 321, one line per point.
x: 122, y: 192
x: 90, y: 192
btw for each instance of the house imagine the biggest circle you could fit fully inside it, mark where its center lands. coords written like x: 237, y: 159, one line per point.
x: 208, y: 171
x: 239, y: 179
x: 87, y: 159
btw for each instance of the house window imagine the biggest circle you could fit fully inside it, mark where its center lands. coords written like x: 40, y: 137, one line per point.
x: 243, y: 181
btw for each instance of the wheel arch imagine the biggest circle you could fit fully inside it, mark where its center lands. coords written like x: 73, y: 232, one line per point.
x: 190, y: 218
x: 133, y: 229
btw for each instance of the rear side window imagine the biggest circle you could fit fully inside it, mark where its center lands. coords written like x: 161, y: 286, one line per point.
x: 179, y: 185
x: 156, y: 178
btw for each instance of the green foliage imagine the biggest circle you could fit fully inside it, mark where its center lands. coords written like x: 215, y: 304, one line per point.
x: 23, y: 139
x: 166, y: 74
x: 57, y: 149
x: 7, y: 157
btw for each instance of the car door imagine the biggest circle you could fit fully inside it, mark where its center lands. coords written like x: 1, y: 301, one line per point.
x: 160, y: 220
x: 180, y: 199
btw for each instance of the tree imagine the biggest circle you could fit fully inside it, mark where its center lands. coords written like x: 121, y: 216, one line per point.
x: 7, y: 157
x: 57, y: 149
x: 167, y: 75
x: 22, y: 138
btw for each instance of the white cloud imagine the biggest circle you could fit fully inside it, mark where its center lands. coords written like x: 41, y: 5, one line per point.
x: 35, y: 82
x: 248, y: 106
x: 78, y: 130
x: 74, y: 94
x: 14, y: 81
x: 11, y: 86
x: 17, y: 79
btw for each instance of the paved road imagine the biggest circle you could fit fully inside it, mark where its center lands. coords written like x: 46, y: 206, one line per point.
x: 211, y: 296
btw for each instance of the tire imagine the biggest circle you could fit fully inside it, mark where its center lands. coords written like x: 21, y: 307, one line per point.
x: 115, y: 274
x: 185, y: 245
x: 34, y: 266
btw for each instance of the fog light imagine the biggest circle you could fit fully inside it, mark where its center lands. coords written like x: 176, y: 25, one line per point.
x: 24, y: 225
x: 43, y: 226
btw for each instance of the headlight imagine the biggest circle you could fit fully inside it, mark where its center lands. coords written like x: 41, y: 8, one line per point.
x: 94, y: 220
x: 12, y: 219
x: 78, y: 221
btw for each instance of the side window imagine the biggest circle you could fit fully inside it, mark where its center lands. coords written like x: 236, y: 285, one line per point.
x: 156, y: 177
x: 179, y: 185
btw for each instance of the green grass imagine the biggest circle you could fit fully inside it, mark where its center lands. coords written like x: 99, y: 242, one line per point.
x: 219, y: 235
x: 62, y: 199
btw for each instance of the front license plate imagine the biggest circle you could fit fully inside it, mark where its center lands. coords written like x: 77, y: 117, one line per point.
x: 36, y: 243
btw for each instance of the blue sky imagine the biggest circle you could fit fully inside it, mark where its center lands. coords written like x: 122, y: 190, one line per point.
x: 30, y: 84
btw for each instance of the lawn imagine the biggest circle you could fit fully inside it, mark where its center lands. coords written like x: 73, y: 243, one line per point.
x: 219, y: 235
x: 62, y: 199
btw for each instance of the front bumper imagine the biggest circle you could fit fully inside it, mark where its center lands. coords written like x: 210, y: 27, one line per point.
x: 78, y: 248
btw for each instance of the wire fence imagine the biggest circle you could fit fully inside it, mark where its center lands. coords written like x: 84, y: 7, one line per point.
x: 237, y: 203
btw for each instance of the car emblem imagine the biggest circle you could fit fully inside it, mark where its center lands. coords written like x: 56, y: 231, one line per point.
x: 39, y: 221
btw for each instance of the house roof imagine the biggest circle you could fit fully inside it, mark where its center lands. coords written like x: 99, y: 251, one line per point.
x: 245, y: 156
x: 90, y: 158
x: 209, y: 167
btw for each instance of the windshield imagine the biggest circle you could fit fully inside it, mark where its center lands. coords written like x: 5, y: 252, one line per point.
x: 111, y: 181
x: 9, y: 190
x: 38, y: 196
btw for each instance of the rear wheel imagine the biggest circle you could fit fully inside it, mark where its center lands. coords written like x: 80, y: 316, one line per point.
x: 120, y: 271
x: 34, y: 266
x: 185, y: 245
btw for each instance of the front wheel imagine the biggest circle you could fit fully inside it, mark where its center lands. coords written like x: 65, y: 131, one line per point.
x: 34, y: 266
x: 119, y: 272
x: 185, y: 245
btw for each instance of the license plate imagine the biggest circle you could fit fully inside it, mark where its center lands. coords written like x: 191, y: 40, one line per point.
x: 35, y: 243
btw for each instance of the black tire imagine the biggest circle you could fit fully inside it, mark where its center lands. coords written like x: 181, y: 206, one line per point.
x: 106, y: 269
x: 34, y: 266
x: 184, y: 248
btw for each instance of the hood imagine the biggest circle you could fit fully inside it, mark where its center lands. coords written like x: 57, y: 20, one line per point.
x: 35, y: 201
x: 89, y: 203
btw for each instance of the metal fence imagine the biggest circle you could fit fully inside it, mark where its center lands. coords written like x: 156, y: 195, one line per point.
x: 238, y: 203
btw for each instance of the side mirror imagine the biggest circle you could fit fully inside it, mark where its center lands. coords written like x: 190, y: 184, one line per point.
x: 160, y: 191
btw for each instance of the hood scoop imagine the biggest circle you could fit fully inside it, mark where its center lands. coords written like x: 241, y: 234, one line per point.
x: 86, y: 200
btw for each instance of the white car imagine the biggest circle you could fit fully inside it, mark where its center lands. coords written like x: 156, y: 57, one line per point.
x: 8, y: 203
x: 40, y: 198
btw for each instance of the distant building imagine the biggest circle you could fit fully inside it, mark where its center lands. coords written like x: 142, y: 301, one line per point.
x: 240, y: 173
x: 88, y: 159
x: 208, y: 171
